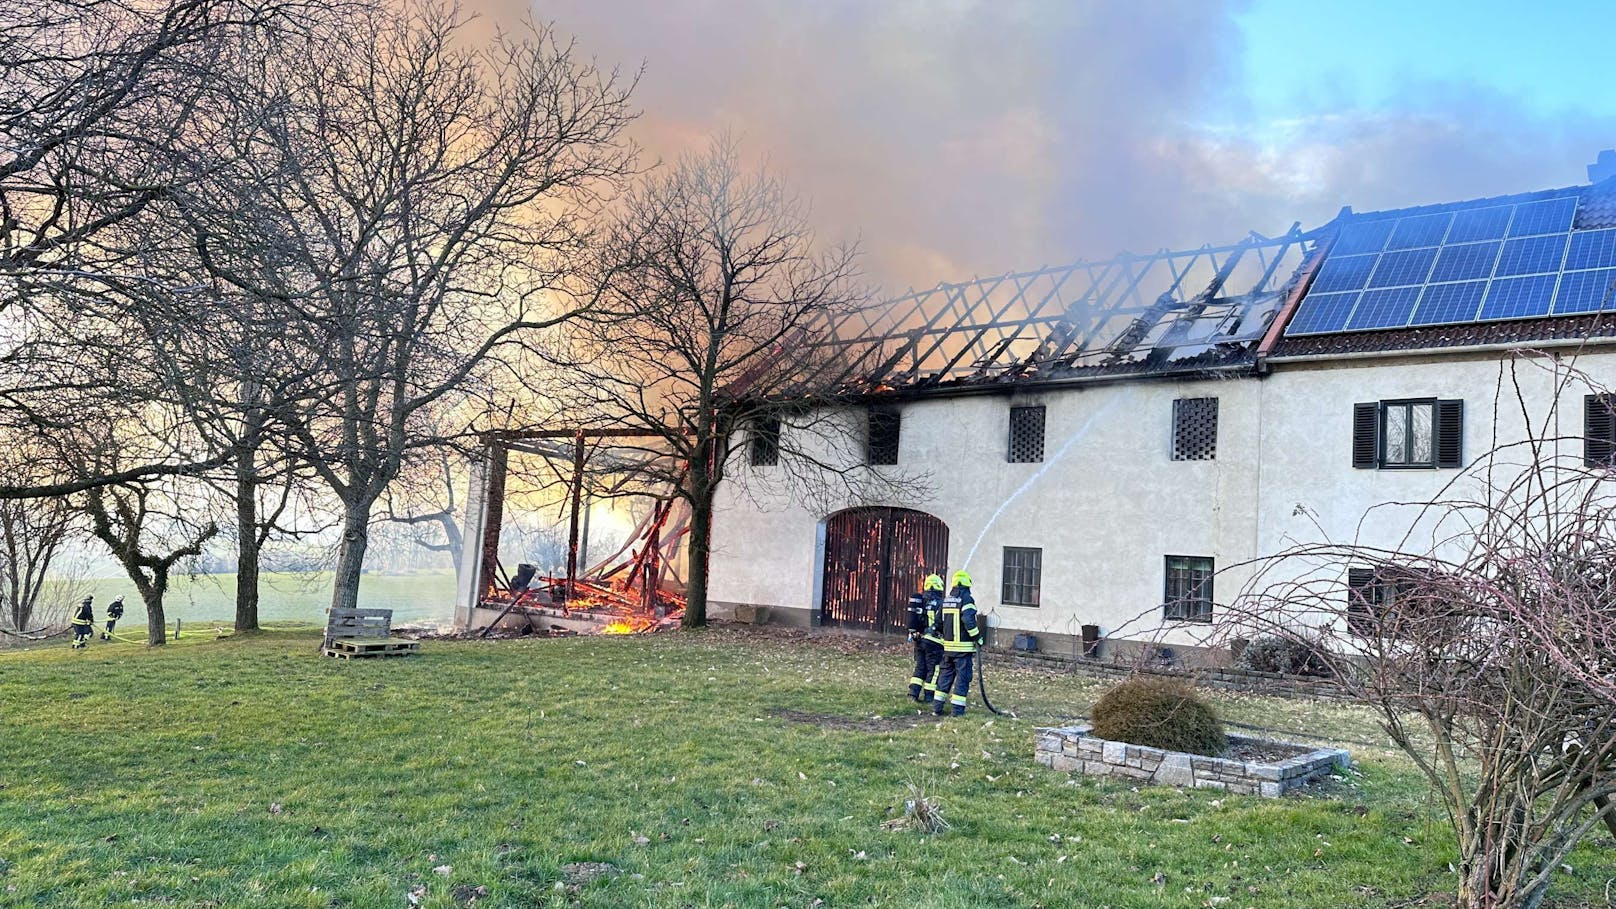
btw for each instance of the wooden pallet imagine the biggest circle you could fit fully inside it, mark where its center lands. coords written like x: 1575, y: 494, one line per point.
x: 352, y: 649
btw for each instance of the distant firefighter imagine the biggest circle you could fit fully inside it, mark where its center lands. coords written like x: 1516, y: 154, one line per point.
x: 923, y: 609
x: 83, y: 623
x: 114, y: 613
x: 956, y: 626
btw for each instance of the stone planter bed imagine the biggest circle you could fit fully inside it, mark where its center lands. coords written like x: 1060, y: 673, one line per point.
x: 1256, y: 766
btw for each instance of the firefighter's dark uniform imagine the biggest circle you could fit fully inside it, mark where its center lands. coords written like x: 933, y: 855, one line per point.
x: 114, y: 613
x: 83, y: 623
x: 956, y: 625
x: 928, y: 646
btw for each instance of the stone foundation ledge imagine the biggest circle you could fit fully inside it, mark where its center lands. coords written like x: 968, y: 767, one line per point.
x: 1073, y: 749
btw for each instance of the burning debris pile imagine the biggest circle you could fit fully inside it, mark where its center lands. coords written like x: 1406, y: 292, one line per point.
x: 594, y: 606
x: 633, y: 591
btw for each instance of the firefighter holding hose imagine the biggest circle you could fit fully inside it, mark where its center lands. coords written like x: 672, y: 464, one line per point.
x: 83, y: 623
x: 923, y: 609
x: 957, y: 627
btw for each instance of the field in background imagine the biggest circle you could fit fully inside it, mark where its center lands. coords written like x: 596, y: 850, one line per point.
x: 286, y: 597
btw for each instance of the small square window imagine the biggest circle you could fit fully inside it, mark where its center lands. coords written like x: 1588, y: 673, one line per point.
x: 1188, y: 594
x: 1195, y: 429
x: 763, y: 442
x: 881, y: 441
x: 1026, y: 435
x: 1023, y: 570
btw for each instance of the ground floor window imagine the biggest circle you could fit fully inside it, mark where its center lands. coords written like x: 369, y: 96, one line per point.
x: 1188, y: 594
x: 1022, y: 570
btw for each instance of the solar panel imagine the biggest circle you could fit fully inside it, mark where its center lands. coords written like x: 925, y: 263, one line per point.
x: 1517, y: 298
x: 1531, y: 256
x: 1500, y: 261
x: 1551, y: 216
x: 1425, y: 230
x: 1480, y: 224
x: 1362, y: 237
x: 1396, y: 269
x: 1383, y: 308
x: 1448, y: 303
x: 1591, y: 249
x: 1585, y: 291
x: 1465, y: 262
x: 1344, y: 273
x: 1323, y: 313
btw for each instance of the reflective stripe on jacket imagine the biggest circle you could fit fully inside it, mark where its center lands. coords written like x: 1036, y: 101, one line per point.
x: 956, y: 622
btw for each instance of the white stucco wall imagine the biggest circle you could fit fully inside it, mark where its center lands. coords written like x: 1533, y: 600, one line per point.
x: 1109, y: 508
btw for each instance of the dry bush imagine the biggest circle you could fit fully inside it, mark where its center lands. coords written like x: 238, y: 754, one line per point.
x: 1159, y: 713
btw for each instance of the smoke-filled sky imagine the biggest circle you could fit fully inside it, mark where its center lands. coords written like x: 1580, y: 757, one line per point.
x: 957, y: 137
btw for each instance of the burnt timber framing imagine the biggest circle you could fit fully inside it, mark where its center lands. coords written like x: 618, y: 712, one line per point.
x: 1164, y: 312
x: 485, y: 507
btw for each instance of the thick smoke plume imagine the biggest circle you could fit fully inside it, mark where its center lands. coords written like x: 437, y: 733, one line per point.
x: 980, y: 136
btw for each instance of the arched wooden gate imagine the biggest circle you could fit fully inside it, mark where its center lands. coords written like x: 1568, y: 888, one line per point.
x: 874, y: 559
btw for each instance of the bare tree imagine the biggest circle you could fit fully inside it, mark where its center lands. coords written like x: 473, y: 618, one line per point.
x: 94, y: 97
x: 429, y: 496
x: 417, y: 207
x: 1488, y: 651
x: 719, y: 293
x: 32, y: 534
x: 131, y: 519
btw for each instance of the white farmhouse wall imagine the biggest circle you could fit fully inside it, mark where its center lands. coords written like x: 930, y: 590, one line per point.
x: 1110, y: 507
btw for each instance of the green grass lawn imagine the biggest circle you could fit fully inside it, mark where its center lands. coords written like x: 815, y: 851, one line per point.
x: 720, y: 768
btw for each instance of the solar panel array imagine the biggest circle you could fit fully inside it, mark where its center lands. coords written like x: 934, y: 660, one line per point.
x: 1491, y: 263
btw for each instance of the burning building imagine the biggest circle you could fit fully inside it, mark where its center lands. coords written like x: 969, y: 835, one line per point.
x: 1109, y: 444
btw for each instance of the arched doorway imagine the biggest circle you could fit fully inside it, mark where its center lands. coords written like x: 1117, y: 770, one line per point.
x: 874, y: 559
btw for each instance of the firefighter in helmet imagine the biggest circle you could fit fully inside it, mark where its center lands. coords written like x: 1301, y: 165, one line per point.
x: 83, y: 623
x: 923, y: 608
x: 114, y: 613
x: 957, y: 627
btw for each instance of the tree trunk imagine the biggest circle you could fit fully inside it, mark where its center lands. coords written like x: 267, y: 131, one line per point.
x: 701, y: 541
x: 351, y: 555
x: 247, y: 548
x: 151, y: 594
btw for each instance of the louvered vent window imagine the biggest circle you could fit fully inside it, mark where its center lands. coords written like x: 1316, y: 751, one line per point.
x: 1599, y: 430
x: 1195, y: 429
x: 764, y: 442
x: 881, y: 443
x: 1417, y: 433
x: 1026, y: 435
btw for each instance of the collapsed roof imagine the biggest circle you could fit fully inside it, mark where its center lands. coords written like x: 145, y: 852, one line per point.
x: 1509, y: 269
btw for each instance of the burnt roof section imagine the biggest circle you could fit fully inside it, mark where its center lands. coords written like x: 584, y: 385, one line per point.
x: 1168, y: 313
x: 1595, y: 210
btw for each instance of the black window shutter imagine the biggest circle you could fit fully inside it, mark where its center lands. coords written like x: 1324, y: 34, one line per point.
x: 1360, y: 600
x: 1366, y: 435
x: 1450, y: 433
x: 1598, y: 431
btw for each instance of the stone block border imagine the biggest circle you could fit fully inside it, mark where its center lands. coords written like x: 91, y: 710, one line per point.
x: 1073, y: 749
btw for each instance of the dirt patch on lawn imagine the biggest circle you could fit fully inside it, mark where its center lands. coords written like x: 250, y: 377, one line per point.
x: 847, y: 723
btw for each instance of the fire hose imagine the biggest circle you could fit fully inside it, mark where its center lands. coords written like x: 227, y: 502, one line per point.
x: 982, y: 688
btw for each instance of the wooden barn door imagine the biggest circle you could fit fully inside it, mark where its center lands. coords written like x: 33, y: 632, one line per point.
x: 874, y: 559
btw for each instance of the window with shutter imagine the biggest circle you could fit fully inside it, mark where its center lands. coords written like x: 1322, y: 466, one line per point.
x: 1026, y: 435
x: 1599, y: 430
x: 1420, y: 433
x: 881, y: 441
x: 1195, y: 429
